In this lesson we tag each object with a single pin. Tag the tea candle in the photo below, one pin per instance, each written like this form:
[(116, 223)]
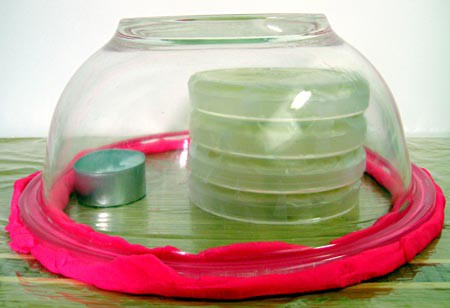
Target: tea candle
[(110, 177)]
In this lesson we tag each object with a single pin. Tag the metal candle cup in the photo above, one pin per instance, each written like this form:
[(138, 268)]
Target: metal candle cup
[(110, 177)]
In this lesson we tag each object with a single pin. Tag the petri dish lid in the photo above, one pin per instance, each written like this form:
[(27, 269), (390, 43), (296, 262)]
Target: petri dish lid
[(279, 93)]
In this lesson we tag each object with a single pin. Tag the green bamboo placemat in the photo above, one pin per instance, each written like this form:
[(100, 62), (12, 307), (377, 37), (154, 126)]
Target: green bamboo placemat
[(23, 282)]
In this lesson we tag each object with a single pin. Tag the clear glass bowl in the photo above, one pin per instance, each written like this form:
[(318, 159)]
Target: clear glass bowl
[(264, 119)]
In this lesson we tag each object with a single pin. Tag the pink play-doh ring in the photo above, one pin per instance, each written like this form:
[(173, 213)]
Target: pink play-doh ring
[(229, 272)]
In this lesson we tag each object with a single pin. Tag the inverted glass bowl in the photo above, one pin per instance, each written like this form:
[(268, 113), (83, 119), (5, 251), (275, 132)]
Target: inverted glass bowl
[(273, 114)]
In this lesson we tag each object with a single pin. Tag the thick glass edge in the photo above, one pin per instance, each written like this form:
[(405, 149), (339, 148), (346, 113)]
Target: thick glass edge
[(154, 32)]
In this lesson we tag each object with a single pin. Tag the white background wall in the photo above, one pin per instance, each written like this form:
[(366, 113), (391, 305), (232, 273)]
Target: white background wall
[(43, 42)]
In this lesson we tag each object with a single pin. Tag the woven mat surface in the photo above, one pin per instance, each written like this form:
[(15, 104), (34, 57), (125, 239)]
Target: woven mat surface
[(168, 220)]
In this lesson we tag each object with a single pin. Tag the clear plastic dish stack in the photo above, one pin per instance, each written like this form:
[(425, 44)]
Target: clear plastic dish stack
[(277, 145)]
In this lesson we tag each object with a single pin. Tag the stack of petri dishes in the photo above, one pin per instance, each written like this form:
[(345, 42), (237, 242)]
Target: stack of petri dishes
[(277, 145)]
